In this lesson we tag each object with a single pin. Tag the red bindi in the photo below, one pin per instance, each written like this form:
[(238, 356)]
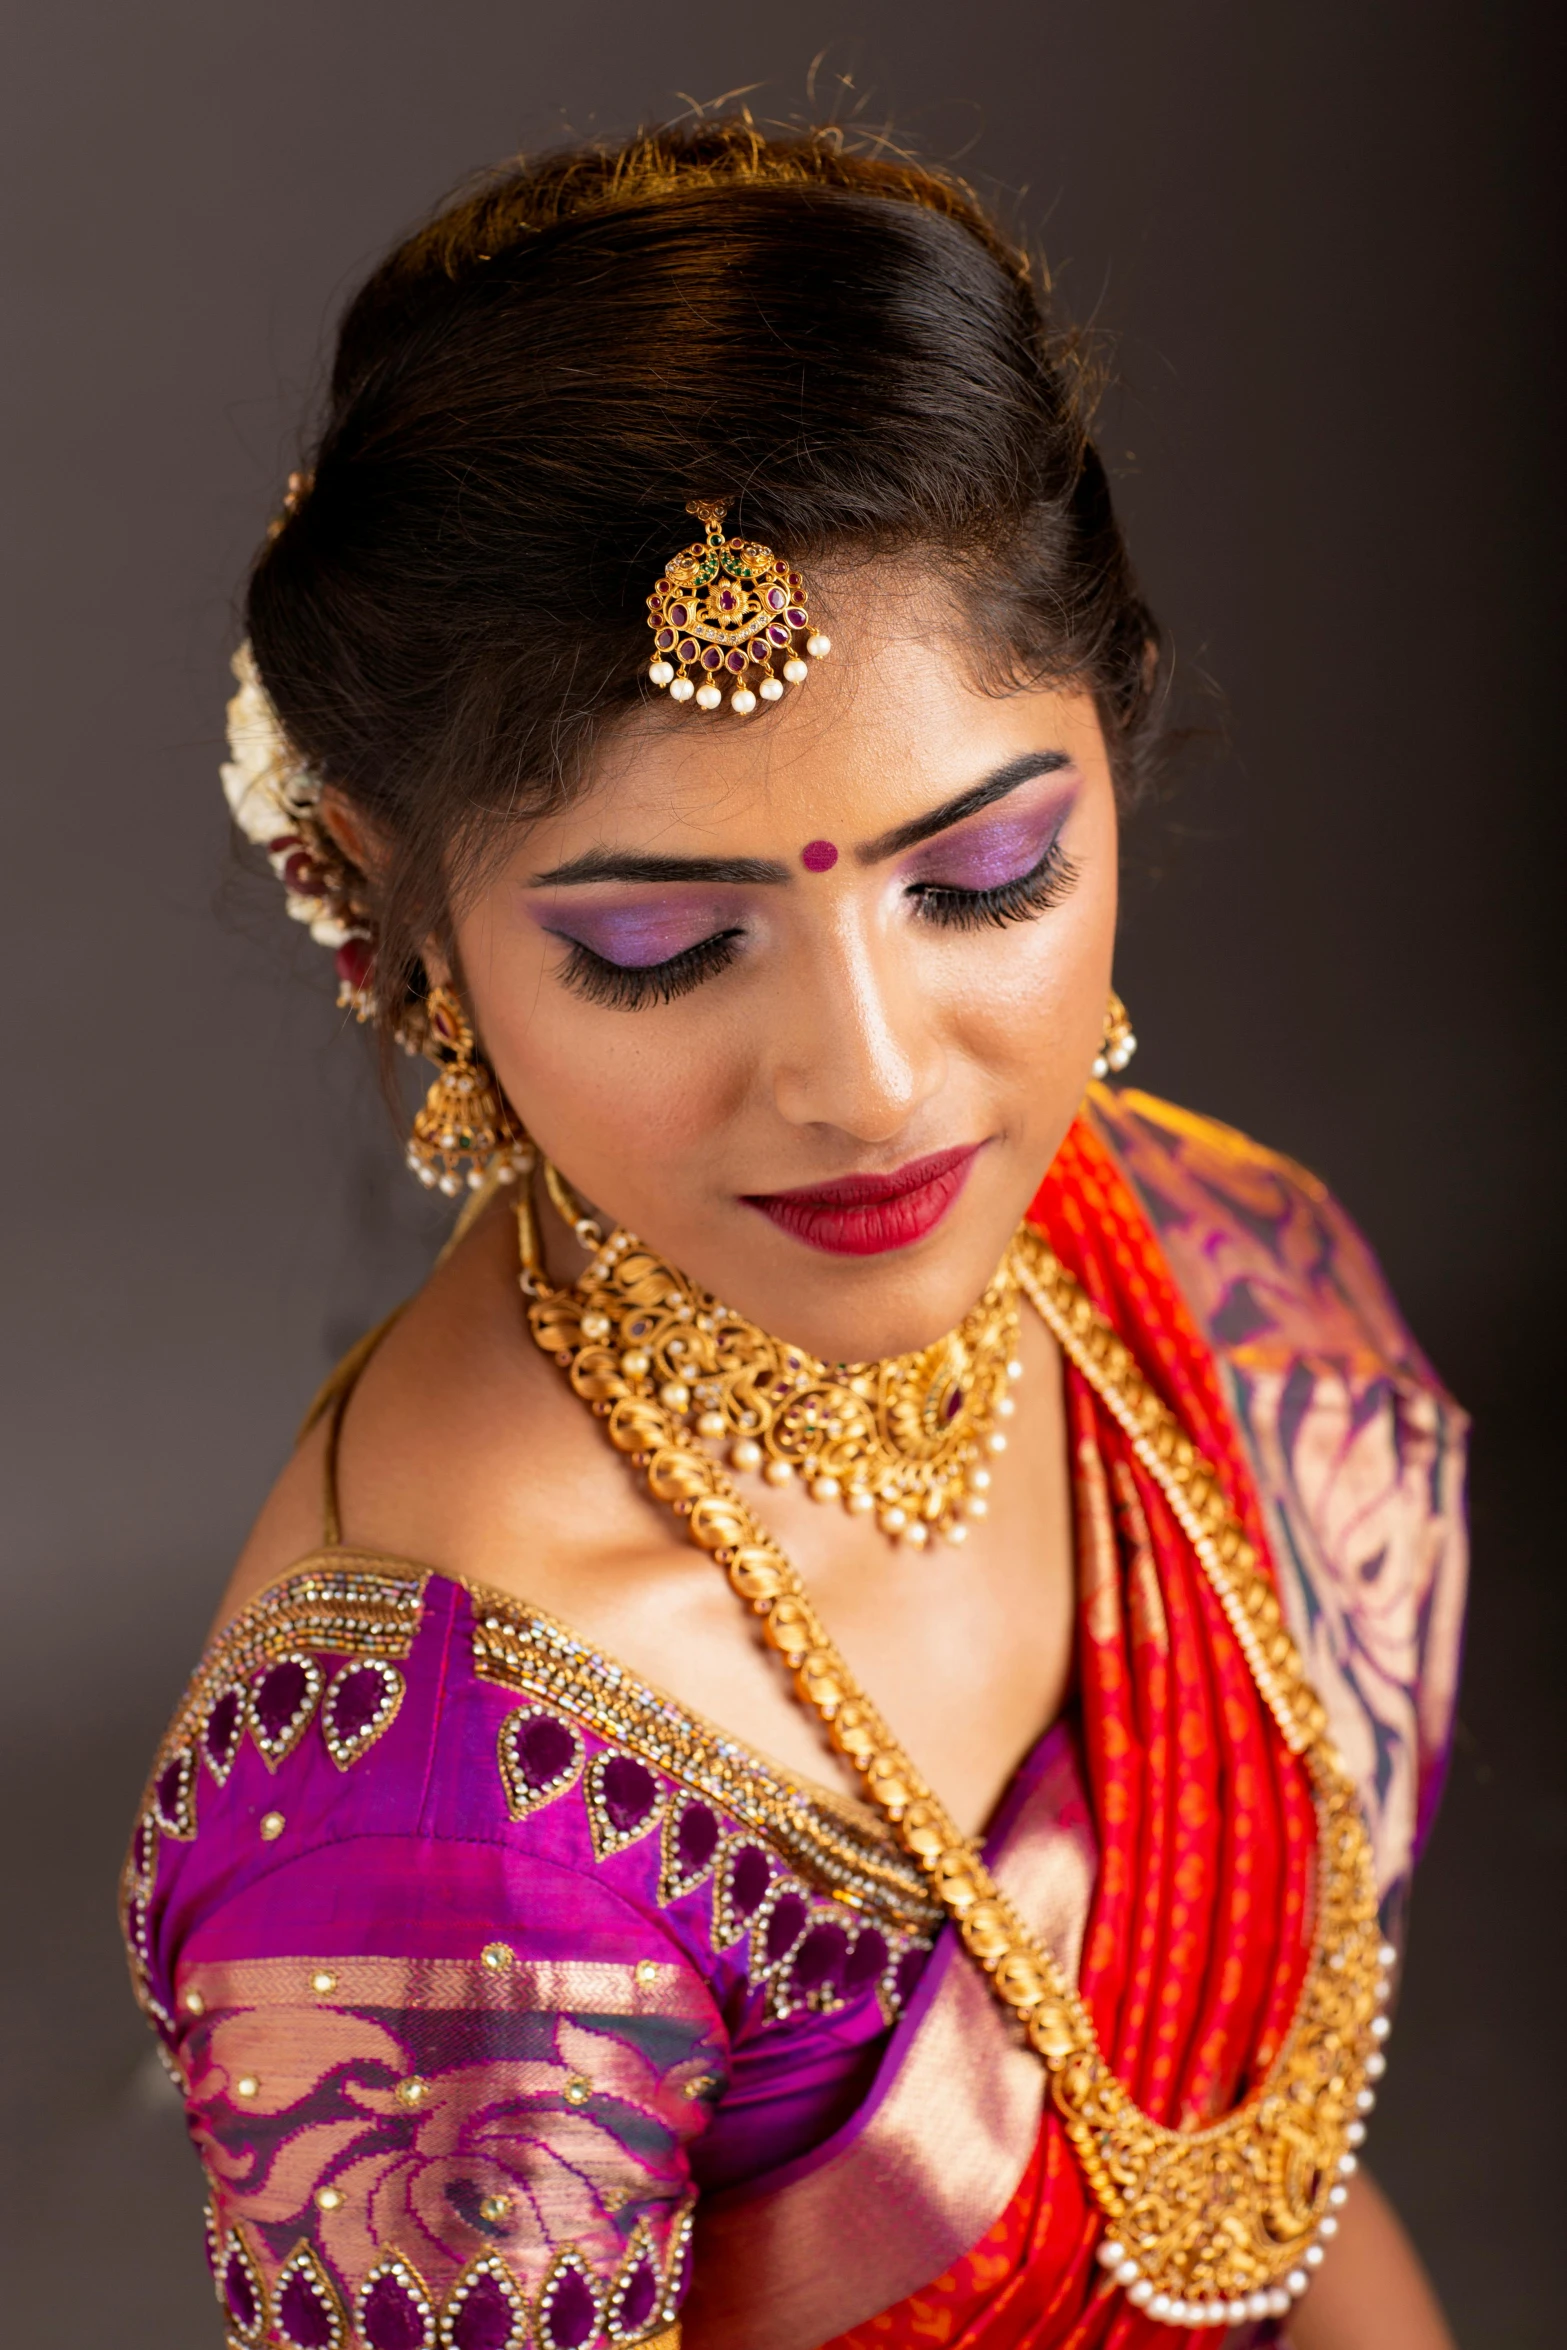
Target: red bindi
[(818, 856)]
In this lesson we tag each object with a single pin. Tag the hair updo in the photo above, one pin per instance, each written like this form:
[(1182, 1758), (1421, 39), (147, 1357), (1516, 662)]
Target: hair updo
[(528, 391)]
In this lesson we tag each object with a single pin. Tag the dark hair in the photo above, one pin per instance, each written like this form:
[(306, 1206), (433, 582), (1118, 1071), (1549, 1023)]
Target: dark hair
[(527, 393)]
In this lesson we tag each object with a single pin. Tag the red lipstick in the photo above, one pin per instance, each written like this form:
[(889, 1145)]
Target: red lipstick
[(865, 1215)]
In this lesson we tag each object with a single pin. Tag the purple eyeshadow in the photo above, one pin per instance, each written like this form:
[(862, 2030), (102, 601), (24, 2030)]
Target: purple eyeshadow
[(991, 852), (636, 936)]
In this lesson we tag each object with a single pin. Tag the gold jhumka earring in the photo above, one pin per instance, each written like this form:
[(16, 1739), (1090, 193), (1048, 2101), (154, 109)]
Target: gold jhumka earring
[(724, 606), (1119, 1043), (465, 1130)]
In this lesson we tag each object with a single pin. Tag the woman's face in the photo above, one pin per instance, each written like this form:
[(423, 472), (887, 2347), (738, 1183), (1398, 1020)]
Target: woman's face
[(808, 1000)]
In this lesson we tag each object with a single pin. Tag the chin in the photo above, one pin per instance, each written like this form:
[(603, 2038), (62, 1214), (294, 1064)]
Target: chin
[(863, 1308)]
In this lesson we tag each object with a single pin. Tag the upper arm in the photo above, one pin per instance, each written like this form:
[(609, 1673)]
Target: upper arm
[(398, 2105)]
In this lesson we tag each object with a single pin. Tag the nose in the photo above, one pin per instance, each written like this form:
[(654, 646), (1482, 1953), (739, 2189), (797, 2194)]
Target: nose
[(857, 1046)]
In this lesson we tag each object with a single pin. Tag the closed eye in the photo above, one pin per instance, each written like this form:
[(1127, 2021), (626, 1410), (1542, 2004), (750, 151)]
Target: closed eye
[(627, 986), (1030, 894)]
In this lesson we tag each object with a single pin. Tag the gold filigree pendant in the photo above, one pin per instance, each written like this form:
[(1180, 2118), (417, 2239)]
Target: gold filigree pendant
[(729, 609), (1220, 2226), (910, 1439)]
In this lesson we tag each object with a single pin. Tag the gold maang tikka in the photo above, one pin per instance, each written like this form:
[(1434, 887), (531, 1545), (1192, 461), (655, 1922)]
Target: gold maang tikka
[(729, 609), (464, 1129)]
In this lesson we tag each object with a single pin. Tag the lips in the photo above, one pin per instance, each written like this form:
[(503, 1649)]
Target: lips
[(866, 1215)]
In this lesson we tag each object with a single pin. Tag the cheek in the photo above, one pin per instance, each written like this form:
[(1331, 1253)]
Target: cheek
[(599, 1089), (1027, 1005)]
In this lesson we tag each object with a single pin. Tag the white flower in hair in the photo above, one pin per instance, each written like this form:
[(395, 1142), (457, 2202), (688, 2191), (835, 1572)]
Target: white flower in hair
[(266, 786), (273, 797)]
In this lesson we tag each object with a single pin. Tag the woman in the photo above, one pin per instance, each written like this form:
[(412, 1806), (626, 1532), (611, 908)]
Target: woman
[(622, 1871)]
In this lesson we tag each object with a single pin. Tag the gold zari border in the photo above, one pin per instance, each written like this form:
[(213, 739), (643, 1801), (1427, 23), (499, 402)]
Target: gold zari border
[(345, 1603), (849, 1857)]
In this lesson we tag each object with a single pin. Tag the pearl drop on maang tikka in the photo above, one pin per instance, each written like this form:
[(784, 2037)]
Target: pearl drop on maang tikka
[(725, 606)]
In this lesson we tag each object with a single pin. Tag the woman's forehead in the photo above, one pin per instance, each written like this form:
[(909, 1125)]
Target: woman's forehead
[(852, 755)]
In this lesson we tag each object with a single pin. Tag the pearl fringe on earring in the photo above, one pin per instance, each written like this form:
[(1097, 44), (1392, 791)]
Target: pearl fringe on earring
[(1119, 1042)]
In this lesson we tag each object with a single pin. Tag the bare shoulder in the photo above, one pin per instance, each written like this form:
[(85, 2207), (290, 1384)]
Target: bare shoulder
[(290, 1526), (462, 1450)]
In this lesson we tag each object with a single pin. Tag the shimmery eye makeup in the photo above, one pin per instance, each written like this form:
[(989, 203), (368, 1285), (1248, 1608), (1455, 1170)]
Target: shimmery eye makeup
[(1035, 891), (985, 875), (638, 936), (627, 986), (994, 867), (631, 953), (988, 853)]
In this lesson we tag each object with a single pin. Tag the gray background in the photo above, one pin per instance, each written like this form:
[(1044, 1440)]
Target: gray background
[(1325, 240)]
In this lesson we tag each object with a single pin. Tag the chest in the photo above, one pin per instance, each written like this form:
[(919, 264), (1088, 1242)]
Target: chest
[(966, 1651)]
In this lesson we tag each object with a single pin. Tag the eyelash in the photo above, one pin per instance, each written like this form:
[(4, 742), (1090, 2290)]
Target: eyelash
[(626, 987), (1021, 900)]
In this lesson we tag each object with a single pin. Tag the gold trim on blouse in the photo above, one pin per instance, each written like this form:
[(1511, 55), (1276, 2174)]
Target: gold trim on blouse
[(361, 1603)]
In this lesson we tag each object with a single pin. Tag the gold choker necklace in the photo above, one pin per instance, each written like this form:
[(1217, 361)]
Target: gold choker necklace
[(1214, 2227), (910, 1438)]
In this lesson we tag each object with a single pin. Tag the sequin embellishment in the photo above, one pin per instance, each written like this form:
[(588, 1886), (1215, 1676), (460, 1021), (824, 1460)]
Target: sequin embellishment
[(240, 2291), (780, 1925), (692, 1835), (394, 2307), (484, 2310), (624, 1801), (679, 2264), (308, 2315), (569, 2305), (174, 1795), (540, 1757), (359, 1706), (222, 1730), (739, 1889), (282, 1700), (633, 2300)]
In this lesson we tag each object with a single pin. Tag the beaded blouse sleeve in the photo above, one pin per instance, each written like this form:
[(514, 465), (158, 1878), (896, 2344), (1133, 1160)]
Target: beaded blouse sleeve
[(475, 1960), (432, 2141)]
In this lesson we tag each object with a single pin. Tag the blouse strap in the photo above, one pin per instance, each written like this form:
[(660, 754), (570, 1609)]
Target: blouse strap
[(330, 1400), (329, 1403)]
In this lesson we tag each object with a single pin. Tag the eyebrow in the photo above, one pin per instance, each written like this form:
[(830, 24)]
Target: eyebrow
[(995, 787), (741, 872), (611, 865)]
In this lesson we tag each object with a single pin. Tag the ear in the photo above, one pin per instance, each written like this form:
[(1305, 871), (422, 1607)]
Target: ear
[(365, 846), (351, 831)]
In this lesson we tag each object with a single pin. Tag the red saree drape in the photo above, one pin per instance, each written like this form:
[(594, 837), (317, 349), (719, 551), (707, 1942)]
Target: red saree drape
[(1197, 1939)]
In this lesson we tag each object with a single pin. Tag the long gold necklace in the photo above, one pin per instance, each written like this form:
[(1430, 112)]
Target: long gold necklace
[(1207, 2227)]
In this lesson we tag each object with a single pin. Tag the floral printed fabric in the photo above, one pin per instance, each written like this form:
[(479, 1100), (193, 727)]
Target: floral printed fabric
[(1357, 1450), (447, 2109)]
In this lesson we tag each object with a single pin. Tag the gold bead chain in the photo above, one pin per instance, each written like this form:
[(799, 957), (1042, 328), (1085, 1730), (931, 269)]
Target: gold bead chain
[(1209, 2226)]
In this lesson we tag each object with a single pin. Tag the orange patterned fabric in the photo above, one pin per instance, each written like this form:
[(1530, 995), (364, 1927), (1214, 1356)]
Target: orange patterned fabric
[(1197, 1940)]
